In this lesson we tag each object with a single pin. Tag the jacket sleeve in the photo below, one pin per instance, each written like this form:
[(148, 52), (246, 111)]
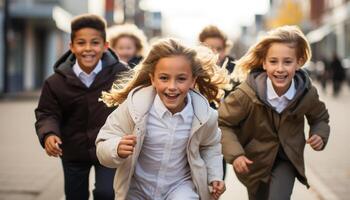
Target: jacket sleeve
[(231, 113), (318, 118), (210, 149), (118, 124), (48, 114)]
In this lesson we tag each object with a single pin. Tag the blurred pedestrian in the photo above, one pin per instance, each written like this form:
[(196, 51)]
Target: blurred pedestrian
[(163, 138), (262, 120), (69, 115), (217, 40), (338, 74), (129, 42), (323, 72)]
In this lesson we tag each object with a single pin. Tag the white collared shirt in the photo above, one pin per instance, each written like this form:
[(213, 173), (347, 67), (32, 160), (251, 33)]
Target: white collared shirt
[(162, 164), (279, 102), (87, 79)]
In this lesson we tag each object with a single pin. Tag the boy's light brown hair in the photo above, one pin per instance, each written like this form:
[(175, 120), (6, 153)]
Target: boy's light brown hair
[(212, 31)]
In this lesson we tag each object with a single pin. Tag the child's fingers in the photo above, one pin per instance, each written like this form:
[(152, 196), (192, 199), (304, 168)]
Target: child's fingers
[(317, 145), (315, 142), (247, 161), (129, 140), (215, 196), (245, 168), (240, 164), (313, 138), (129, 137), (126, 147), (214, 187), (124, 153)]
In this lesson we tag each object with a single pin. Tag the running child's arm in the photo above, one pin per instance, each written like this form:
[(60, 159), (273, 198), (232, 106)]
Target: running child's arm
[(231, 113), (48, 116), (117, 125), (318, 119)]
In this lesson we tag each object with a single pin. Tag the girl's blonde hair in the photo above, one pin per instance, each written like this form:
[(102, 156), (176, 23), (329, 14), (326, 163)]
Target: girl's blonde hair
[(114, 33), (256, 54), (210, 78)]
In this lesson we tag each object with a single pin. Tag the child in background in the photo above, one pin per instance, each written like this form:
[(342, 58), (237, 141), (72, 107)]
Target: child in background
[(217, 40), (69, 115), (262, 120), (128, 42), (163, 138)]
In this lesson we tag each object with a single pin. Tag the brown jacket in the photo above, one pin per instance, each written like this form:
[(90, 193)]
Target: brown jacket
[(251, 127)]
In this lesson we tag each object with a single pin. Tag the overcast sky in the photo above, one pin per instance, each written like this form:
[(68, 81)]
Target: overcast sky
[(186, 18)]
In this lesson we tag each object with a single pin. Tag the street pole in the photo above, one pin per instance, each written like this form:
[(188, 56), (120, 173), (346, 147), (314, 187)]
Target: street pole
[(5, 42)]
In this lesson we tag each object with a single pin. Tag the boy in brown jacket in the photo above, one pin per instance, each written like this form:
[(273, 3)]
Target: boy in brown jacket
[(69, 115), (262, 120)]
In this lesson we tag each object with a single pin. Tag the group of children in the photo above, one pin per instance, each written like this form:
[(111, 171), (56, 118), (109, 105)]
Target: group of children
[(155, 134)]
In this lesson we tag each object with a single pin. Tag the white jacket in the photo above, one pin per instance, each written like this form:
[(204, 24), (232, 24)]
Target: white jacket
[(203, 147)]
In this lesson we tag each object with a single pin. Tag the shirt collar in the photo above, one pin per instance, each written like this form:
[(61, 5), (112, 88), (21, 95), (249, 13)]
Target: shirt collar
[(271, 94), (162, 110), (77, 69)]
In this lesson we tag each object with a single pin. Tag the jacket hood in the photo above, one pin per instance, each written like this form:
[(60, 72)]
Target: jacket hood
[(141, 99), (65, 63), (257, 81)]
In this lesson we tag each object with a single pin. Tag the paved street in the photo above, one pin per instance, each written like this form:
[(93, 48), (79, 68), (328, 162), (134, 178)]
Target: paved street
[(26, 173)]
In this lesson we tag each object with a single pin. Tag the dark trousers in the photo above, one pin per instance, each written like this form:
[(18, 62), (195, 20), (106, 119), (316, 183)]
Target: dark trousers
[(76, 181), (281, 184)]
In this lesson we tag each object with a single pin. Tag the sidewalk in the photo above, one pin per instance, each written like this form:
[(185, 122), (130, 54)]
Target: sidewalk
[(26, 172)]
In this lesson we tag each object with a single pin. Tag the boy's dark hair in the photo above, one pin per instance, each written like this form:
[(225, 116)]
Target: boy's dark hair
[(88, 21)]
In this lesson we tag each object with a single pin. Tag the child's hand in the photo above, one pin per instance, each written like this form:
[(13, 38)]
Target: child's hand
[(240, 164), (52, 148), (218, 189), (126, 146), (315, 142)]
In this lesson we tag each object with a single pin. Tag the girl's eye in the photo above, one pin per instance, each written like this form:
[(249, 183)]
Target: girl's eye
[(182, 78), (273, 61), (163, 78)]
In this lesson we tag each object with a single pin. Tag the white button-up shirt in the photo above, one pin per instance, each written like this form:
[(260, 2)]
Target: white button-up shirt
[(162, 164), (87, 79), (279, 102)]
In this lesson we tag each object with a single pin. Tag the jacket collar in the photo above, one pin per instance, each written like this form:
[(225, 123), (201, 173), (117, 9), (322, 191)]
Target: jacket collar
[(255, 85), (140, 100), (64, 67)]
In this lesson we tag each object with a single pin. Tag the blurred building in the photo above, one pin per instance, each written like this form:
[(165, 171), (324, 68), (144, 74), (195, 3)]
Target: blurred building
[(330, 21)]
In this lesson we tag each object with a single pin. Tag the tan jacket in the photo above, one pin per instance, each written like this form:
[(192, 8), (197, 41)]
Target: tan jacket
[(203, 148), (251, 127)]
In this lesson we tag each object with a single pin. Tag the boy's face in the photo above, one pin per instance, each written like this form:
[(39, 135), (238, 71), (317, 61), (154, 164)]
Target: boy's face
[(88, 47), (172, 80), (280, 64), (125, 48)]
